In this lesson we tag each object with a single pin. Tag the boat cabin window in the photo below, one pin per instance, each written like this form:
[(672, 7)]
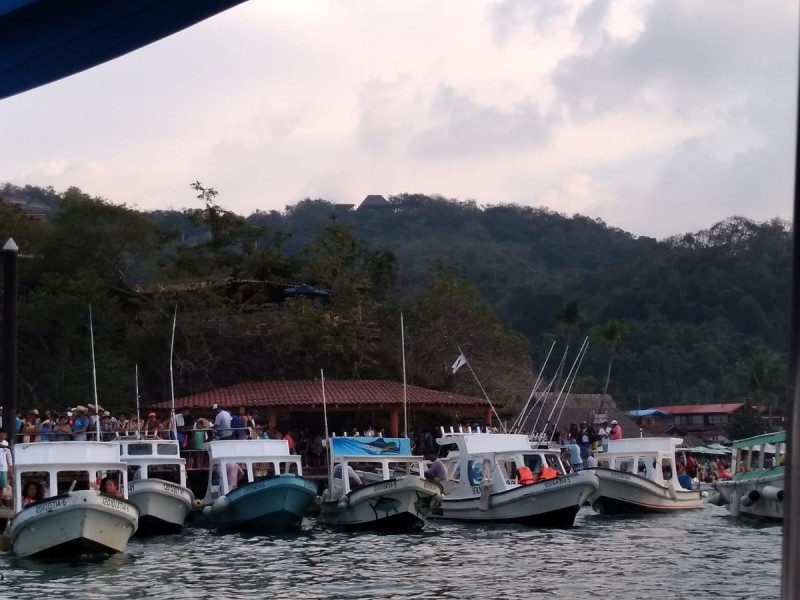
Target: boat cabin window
[(288, 467), (167, 450), (554, 463), (533, 462), (67, 478), (140, 449), (604, 463), (40, 479), (263, 469), (171, 473), (666, 469), (625, 464), (454, 471), (479, 470), (641, 468), (508, 468)]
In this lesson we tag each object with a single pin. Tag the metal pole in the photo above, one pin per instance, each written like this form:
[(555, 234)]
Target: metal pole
[(10, 293), (790, 575), (405, 386)]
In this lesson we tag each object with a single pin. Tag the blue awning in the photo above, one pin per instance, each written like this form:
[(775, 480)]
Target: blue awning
[(42, 41), (646, 412)]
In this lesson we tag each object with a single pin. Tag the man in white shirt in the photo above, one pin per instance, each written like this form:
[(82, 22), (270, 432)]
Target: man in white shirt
[(222, 423), (591, 462), (604, 432)]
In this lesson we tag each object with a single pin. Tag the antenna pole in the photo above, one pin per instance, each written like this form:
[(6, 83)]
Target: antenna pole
[(138, 422), (405, 386), (94, 377), (171, 375)]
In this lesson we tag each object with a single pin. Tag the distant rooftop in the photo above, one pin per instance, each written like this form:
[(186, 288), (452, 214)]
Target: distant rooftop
[(374, 201)]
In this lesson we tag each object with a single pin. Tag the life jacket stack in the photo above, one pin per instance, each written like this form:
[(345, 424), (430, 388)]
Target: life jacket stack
[(524, 476)]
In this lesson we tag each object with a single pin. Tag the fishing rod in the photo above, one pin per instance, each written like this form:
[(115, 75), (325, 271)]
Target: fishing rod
[(518, 421), (485, 395), (94, 377), (566, 380), (171, 374)]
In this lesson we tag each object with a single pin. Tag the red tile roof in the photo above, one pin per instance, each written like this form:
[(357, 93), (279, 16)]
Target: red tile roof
[(308, 394), (701, 409)]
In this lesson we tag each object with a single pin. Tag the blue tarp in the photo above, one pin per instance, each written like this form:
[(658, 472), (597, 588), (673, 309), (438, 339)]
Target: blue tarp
[(646, 412), (42, 41), (370, 446)]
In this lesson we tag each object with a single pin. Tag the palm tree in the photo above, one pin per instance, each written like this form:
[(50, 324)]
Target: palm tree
[(612, 333), (765, 381), (570, 315)]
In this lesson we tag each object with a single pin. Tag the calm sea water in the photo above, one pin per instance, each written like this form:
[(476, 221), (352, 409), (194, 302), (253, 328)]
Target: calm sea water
[(692, 555)]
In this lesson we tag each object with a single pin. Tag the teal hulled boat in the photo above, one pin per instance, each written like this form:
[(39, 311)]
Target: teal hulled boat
[(756, 487), (254, 486)]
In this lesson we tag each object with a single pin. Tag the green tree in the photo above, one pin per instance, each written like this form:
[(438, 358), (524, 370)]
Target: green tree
[(611, 333)]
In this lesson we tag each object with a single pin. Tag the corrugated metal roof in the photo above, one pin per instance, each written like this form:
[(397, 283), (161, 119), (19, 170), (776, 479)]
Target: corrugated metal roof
[(308, 393), (704, 409)]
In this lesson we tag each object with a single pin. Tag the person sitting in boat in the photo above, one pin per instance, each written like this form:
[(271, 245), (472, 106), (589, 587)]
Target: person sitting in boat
[(109, 487), (234, 472), (437, 471), (31, 492), (338, 484)]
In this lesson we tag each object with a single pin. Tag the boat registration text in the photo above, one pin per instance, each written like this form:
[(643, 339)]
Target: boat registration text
[(557, 481), (386, 485), (47, 507), (119, 505)]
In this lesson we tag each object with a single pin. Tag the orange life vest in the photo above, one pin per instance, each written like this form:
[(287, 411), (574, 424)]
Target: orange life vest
[(524, 476), (548, 473)]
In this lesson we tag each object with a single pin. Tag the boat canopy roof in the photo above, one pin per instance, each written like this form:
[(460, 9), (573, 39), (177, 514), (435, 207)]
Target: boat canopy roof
[(483, 443), (365, 447), (650, 444), (247, 449), (69, 454), (776, 437)]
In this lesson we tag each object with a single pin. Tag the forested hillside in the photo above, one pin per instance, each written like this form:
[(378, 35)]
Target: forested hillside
[(700, 317)]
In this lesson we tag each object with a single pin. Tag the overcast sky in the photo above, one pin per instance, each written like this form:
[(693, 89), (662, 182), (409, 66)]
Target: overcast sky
[(658, 117)]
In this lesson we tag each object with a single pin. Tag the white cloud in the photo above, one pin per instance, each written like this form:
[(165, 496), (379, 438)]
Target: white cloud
[(656, 116)]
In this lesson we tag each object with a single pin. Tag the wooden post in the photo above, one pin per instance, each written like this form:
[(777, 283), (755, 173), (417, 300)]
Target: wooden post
[(394, 423), (272, 417), (488, 417)]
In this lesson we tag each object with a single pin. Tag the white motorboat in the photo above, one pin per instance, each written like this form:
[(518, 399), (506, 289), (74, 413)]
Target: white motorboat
[(157, 484), (387, 492), (756, 488), (639, 475), (255, 486), (70, 516), (499, 477)]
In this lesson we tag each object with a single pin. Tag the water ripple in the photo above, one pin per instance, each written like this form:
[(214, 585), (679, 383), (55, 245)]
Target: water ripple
[(685, 556)]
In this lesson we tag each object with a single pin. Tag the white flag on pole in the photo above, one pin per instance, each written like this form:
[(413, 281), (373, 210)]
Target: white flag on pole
[(460, 362)]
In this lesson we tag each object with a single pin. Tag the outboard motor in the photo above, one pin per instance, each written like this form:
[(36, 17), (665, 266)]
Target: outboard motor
[(751, 498), (770, 492)]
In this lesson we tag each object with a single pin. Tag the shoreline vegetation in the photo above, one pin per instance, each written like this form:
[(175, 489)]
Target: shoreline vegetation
[(696, 318)]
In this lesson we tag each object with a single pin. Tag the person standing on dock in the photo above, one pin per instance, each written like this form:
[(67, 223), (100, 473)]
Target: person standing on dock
[(222, 423), (616, 431), (604, 432)]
